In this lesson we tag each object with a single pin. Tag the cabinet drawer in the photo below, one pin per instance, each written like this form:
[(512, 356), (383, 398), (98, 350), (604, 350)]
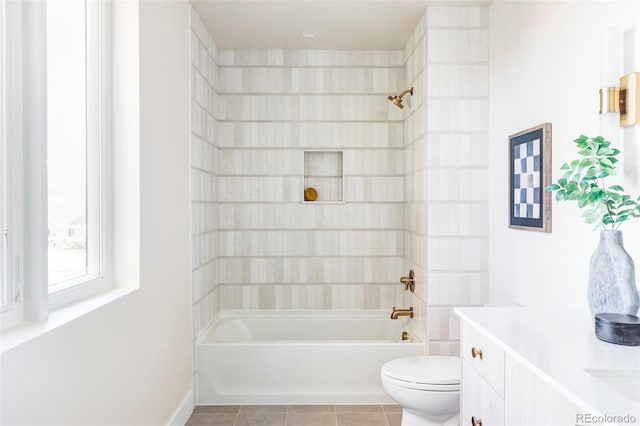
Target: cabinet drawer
[(481, 404), (484, 356)]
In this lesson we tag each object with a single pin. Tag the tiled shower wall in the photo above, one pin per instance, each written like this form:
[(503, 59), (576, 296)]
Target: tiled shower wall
[(414, 179), (204, 154), (415, 171), (457, 167), (277, 252)]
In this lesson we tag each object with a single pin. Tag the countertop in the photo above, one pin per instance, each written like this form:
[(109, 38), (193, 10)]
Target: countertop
[(559, 345)]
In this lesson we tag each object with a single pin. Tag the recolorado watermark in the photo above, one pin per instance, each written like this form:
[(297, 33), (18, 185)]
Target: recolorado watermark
[(583, 419)]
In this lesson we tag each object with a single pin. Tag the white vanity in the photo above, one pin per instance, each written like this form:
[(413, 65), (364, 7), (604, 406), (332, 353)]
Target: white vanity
[(538, 367)]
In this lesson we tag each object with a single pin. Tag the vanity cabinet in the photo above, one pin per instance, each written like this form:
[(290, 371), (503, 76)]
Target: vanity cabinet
[(543, 367), (499, 390)]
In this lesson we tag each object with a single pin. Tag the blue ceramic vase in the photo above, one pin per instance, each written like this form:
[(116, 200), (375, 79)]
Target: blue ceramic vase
[(612, 280)]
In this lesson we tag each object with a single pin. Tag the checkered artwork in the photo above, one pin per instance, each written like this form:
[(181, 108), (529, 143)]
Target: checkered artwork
[(527, 191), (529, 175)]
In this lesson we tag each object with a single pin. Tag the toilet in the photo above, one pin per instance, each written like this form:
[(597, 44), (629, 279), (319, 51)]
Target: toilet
[(426, 387)]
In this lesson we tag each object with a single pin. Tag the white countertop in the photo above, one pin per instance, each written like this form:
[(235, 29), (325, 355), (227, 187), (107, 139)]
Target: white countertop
[(559, 345)]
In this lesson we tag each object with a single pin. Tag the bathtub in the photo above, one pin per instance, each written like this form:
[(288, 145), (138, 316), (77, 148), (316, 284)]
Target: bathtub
[(299, 357)]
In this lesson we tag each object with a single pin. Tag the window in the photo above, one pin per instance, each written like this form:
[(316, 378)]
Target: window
[(74, 220), (11, 160), (62, 85)]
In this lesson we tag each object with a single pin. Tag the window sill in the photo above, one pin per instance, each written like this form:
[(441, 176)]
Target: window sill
[(27, 331)]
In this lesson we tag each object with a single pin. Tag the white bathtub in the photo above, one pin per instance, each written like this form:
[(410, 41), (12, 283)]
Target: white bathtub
[(300, 357)]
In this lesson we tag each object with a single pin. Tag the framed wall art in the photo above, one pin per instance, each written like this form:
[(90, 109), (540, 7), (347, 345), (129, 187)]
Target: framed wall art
[(529, 175)]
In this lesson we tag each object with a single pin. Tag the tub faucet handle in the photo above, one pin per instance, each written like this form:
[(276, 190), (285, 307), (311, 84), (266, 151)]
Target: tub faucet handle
[(409, 282)]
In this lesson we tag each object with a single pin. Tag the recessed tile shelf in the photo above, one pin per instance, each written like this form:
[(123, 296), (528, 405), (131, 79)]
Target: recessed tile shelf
[(323, 171), (323, 202)]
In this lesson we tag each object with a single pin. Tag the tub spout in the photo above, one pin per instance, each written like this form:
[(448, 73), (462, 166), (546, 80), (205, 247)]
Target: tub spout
[(402, 313)]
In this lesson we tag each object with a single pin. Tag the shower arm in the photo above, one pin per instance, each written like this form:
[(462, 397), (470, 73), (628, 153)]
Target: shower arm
[(405, 92)]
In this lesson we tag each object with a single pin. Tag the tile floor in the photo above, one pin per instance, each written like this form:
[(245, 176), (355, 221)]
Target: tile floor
[(296, 415)]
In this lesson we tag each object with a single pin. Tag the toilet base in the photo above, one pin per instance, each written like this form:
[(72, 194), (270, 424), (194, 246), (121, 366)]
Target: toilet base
[(409, 418)]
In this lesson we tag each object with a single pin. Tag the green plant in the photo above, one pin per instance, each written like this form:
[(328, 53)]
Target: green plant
[(584, 181)]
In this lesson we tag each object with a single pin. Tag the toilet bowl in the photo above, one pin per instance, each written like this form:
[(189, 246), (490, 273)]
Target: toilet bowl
[(426, 387)]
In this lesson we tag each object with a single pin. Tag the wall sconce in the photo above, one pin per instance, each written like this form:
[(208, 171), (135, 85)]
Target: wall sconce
[(624, 99)]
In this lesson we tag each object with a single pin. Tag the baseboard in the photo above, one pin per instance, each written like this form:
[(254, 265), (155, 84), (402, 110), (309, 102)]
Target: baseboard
[(183, 412)]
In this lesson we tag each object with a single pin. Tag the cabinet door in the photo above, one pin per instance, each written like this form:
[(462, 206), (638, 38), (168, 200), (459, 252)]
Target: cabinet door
[(479, 400), (530, 401), (483, 355)]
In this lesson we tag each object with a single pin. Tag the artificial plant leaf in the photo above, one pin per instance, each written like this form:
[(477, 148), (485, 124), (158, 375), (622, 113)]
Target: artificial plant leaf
[(583, 200)]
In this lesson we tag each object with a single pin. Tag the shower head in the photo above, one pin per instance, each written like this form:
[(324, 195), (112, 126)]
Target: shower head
[(397, 100)]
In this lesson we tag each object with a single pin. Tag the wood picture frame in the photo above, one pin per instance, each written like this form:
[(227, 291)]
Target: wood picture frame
[(529, 175)]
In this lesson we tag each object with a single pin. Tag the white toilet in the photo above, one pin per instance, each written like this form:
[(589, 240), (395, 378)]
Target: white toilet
[(426, 387)]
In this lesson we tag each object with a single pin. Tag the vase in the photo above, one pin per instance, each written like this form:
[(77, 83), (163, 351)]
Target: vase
[(612, 281)]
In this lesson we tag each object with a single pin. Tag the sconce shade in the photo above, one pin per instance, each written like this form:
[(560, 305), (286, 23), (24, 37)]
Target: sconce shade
[(609, 100)]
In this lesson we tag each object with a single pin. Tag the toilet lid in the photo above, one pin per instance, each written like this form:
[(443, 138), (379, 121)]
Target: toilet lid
[(433, 370)]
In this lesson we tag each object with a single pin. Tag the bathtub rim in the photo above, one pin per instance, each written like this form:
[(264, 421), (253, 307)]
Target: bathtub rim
[(307, 313)]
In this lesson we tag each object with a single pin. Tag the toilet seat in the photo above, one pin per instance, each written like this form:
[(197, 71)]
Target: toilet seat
[(427, 373)]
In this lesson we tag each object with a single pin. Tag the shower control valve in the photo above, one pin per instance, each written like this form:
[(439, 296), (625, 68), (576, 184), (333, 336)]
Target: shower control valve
[(410, 281)]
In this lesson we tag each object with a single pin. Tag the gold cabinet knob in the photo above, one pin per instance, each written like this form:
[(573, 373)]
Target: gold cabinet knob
[(476, 421), (475, 352)]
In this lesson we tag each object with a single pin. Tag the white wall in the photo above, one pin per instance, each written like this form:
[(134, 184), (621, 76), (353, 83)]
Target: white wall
[(128, 362), (544, 62)]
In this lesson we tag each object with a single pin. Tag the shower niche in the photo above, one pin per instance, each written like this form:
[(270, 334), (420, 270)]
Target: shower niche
[(323, 177)]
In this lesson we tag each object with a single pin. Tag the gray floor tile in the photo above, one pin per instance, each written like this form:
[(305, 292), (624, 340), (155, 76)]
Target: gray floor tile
[(296, 415), (362, 419), (312, 409), (359, 408), (311, 419), (392, 408), (394, 419), (216, 409), (212, 419), (261, 419), (263, 409), (393, 413)]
